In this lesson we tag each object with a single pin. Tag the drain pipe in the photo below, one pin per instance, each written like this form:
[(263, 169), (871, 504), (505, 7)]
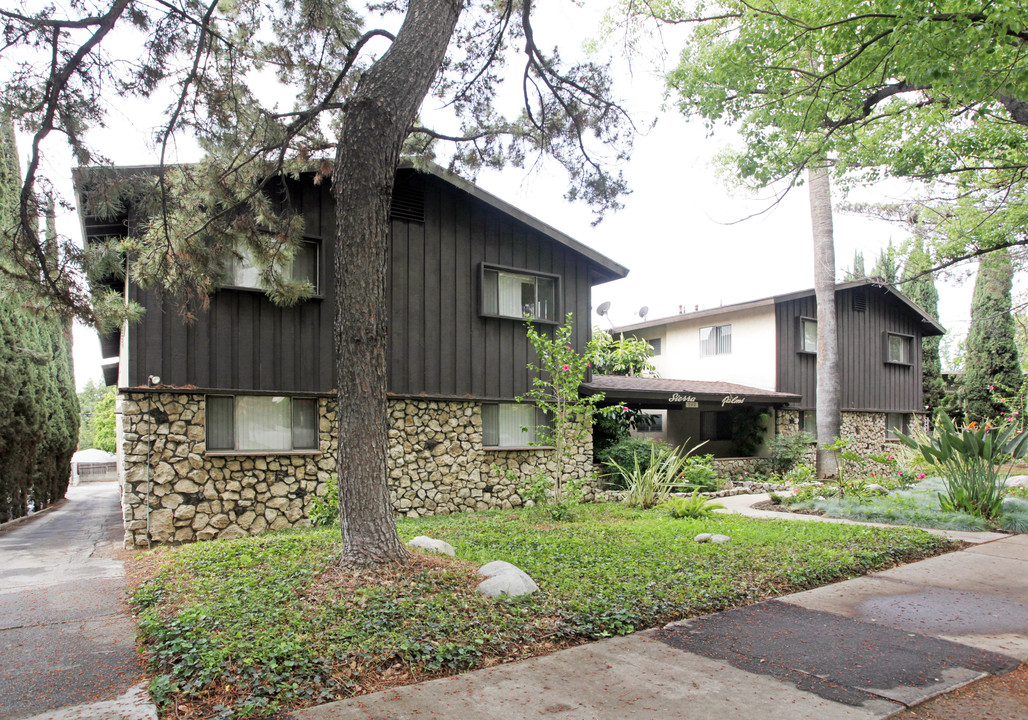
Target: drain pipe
[(152, 380)]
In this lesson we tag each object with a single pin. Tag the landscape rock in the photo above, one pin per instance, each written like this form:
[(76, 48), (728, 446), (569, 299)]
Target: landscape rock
[(720, 539), (423, 542), (876, 489), (703, 537), (503, 578), (1015, 504), (1017, 481)]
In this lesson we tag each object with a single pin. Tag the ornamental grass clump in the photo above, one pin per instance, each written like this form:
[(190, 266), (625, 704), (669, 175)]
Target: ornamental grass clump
[(646, 488), (969, 461)]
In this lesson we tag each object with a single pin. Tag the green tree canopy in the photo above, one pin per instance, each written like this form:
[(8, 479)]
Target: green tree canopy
[(933, 91), (992, 369)]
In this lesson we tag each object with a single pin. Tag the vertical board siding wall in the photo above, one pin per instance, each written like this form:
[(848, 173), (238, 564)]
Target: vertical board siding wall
[(244, 341), (438, 344), (868, 382)]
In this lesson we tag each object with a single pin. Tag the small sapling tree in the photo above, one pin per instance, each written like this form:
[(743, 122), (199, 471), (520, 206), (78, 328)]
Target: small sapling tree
[(558, 373)]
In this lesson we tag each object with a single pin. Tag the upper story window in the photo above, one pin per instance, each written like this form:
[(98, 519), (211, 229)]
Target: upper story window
[(899, 349), (241, 271), (261, 423), (715, 340), (519, 294), (511, 424), (654, 346), (808, 335)]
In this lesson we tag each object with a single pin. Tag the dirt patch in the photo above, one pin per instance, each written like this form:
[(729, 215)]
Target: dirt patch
[(1003, 697), (768, 505)]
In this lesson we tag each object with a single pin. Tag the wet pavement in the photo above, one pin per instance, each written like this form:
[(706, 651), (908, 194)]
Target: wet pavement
[(862, 648), (67, 642)]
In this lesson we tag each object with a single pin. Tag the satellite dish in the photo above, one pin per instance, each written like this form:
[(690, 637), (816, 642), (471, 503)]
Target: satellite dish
[(644, 311), (603, 308)]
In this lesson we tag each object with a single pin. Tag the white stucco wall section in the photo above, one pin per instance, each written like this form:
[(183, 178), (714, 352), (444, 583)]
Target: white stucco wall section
[(751, 361)]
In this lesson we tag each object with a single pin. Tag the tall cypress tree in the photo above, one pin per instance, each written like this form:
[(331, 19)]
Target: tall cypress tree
[(922, 291), (991, 359), (887, 265), (38, 405), (857, 272)]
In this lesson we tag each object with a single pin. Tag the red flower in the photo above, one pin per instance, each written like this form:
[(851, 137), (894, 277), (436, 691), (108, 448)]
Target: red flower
[(567, 367)]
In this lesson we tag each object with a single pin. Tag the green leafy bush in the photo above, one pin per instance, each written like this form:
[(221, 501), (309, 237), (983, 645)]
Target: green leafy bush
[(698, 474), (625, 455), (325, 508), (696, 506), (785, 451), (969, 460), (800, 474)]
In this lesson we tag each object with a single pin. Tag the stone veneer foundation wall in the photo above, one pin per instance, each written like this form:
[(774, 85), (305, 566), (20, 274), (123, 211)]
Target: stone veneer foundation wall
[(436, 465), (864, 430)]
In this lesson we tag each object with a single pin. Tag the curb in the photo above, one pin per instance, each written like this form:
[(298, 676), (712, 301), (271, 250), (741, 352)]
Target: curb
[(4, 527)]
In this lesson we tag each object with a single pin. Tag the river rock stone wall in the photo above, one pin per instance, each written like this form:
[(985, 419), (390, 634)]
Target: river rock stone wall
[(864, 430), (436, 464)]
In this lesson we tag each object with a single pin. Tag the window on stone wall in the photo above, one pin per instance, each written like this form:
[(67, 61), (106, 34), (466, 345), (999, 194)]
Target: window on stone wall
[(895, 422), (808, 422), (261, 423), (511, 424)]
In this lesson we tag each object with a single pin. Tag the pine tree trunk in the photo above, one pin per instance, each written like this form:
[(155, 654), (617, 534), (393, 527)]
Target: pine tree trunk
[(829, 419), (378, 116)]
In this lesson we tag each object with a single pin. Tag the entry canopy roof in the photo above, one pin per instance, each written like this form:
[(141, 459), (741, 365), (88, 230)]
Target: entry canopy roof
[(668, 393)]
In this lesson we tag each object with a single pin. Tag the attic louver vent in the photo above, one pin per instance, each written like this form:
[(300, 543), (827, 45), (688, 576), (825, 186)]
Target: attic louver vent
[(860, 300), (408, 201)]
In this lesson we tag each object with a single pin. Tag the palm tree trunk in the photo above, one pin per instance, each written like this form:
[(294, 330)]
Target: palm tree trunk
[(829, 418)]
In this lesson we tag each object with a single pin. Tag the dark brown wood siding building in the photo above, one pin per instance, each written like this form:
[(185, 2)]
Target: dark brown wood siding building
[(443, 232), (867, 315)]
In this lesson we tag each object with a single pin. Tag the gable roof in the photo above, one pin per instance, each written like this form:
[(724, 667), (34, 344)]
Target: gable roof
[(932, 325), (604, 269)]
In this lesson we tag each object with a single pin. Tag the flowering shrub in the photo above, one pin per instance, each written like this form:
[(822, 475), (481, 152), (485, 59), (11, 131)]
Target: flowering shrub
[(969, 460)]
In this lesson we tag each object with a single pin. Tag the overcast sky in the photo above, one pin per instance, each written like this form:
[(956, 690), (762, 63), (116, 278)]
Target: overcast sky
[(682, 233)]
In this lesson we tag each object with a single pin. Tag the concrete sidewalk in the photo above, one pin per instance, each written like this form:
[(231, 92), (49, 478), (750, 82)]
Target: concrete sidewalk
[(67, 643), (862, 648)]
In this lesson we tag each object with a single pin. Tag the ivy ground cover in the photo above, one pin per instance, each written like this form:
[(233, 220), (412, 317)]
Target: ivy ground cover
[(247, 627)]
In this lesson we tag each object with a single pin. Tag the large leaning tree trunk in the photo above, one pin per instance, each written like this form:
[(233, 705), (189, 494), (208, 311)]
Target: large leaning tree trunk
[(829, 418), (378, 116)]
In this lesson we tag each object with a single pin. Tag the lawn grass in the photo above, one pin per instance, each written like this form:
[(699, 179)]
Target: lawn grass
[(246, 627)]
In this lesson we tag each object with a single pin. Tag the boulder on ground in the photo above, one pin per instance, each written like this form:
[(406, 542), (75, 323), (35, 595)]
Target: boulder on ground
[(503, 578), (703, 537), (423, 542), (1017, 481), (720, 539), (876, 489)]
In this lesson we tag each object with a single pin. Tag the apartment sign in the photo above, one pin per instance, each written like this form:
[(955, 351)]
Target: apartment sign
[(732, 400), (688, 401)]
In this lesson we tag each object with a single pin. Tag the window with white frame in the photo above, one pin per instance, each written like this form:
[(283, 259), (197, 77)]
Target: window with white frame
[(715, 340), (241, 270), (516, 294), (808, 335), (895, 422), (898, 349), (261, 423), (511, 424)]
